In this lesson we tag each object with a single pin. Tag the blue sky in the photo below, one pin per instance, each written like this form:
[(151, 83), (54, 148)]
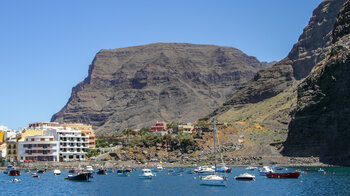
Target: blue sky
[(47, 46)]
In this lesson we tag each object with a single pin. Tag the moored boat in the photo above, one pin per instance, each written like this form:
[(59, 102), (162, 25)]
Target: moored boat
[(57, 172), (41, 171), (89, 169), (223, 168), (146, 174), (35, 176), (212, 180), (283, 175), (73, 170), (251, 168), (9, 168), (265, 170), (101, 172), (245, 176), (14, 172), (83, 176)]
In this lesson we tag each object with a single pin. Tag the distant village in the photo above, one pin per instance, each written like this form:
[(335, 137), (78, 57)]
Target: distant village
[(52, 141)]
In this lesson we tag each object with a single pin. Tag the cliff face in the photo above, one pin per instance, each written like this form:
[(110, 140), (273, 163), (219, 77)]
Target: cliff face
[(135, 87), (320, 126), (310, 49)]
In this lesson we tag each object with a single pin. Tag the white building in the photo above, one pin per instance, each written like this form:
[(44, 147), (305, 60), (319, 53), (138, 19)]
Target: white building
[(72, 144), (38, 147)]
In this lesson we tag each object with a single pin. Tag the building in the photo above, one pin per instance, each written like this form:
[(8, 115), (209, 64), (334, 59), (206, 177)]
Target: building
[(185, 128), (30, 132), (12, 151), (44, 125), (3, 150), (72, 144), (86, 130), (39, 148), (159, 129)]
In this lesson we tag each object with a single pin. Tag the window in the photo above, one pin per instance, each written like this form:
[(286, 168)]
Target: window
[(32, 139), (51, 139), (42, 139)]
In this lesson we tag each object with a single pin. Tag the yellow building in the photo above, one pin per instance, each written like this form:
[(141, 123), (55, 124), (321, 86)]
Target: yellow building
[(187, 128), (86, 130), (30, 132), (12, 151), (2, 136)]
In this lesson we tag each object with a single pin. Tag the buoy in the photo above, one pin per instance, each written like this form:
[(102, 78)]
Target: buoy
[(305, 173), (324, 173)]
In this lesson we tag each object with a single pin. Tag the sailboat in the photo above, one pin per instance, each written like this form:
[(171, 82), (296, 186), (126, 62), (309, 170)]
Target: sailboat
[(213, 179)]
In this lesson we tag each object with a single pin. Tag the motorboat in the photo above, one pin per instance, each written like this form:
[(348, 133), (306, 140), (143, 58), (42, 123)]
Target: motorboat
[(57, 172), (213, 180), (83, 176), (283, 175), (35, 176), (41, 171), (8, 169), (101, 172), (245, 176), (205, 170), (265, 170), (251, 168), (89, 169), (14, 172), (160, 167), (146, 174), (73, 170), (321, 170), (15, 180), (122, 172), (223, 168)]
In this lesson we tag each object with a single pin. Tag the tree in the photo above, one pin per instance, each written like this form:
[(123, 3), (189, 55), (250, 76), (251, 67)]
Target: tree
[(128, 132)]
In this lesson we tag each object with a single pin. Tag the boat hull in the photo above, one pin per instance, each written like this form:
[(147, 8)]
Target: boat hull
[(283, 175), (14, 173), (79, 177), (244, 178), (145, 177), (213, 182)]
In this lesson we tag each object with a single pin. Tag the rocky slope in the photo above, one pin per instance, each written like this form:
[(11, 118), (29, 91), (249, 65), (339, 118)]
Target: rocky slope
[(136, 86), (320, 126), (284, 76)]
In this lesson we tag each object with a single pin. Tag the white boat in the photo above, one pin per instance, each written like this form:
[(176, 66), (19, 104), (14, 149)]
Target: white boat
[(266, 169), (251, 168), (245, 176), (89, 169), (205, 170), (57, 172), (213, 179), (160, 167), (321, 170), (146, 174)]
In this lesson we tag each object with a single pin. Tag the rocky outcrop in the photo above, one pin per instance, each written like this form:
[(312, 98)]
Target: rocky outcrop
[(136, 86), (310, 49), (320, 126)]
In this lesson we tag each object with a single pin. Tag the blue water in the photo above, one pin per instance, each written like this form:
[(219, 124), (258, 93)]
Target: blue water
[(336, 181)]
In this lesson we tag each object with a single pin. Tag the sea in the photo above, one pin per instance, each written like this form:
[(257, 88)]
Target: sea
[(334, 181)]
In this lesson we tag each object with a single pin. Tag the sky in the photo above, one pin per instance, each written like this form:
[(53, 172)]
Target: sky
[(46, 46)]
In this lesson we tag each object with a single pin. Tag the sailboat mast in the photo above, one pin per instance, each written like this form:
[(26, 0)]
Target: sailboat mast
[(214, 143)]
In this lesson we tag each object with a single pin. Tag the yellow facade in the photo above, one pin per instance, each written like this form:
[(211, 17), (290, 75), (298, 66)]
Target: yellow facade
[(2, 136), (12, 151), (30, 132), (186, 128)]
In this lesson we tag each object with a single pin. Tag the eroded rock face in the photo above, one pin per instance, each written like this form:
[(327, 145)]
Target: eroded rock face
[(321, 126), (311, 48), (135, 87)]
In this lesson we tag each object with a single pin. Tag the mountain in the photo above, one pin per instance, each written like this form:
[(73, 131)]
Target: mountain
[(274, 89), (136, 86), (320, 126)]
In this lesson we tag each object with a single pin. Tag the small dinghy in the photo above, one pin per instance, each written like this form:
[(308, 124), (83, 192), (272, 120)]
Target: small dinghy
[(245, 176), (56, 172)]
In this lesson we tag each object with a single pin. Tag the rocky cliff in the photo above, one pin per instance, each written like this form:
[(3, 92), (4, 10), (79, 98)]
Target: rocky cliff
[(136, 86), (284, 76), (320, 126)]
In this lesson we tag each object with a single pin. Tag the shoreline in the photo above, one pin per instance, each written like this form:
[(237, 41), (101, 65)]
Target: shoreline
[(133, 164)]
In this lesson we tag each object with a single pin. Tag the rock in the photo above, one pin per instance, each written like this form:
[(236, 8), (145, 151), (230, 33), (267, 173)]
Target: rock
[(320, 125), (144, 152), (136, 86)]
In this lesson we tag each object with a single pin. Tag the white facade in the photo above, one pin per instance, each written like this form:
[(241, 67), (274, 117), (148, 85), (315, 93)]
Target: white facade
[(39, 147), (72, 145)]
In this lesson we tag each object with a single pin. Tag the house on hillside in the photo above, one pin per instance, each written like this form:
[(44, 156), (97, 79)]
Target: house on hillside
[(159, 129), (185, 128)]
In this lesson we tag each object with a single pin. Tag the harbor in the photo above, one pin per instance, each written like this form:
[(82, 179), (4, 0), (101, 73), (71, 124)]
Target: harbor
[(310, 182)]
